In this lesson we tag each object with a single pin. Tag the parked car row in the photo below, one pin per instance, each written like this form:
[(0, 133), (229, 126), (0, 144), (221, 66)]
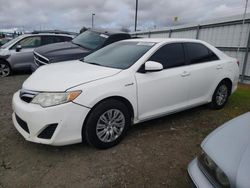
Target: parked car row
[(17, 54), (106, 82)]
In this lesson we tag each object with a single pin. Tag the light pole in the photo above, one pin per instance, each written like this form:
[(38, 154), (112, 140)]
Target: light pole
[(93, 14), (136, 10)]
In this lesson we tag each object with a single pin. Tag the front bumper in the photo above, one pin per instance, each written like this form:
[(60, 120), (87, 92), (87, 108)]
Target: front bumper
[(197, 178), (69, 118), (33, 67)]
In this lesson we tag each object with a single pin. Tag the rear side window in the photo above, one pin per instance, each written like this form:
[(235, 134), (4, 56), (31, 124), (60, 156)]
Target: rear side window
[(54, 39), (62, 39), (170, 55), (47, 39), (198, 53)]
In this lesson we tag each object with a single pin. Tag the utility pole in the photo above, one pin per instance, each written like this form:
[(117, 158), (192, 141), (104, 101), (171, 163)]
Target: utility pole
[(136, 10), (93, 14)]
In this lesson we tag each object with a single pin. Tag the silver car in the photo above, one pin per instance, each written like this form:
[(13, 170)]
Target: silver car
[(225, 157), (17, 54)]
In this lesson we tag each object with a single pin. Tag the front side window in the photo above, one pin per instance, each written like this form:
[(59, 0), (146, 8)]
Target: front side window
[(30, 42), (11, 42), (90, 40), (120, 55), (199, 53), (170, 55)]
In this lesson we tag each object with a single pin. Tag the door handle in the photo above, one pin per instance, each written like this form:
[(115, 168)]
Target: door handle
[(185, 73), (219, 67)]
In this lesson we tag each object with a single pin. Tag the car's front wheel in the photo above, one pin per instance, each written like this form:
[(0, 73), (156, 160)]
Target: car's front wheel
[(220, 95), (107, 124), (5, 69)]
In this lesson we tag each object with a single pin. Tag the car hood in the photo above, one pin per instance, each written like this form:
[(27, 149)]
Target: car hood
[(56, 51), (65, 75), (229, 147)]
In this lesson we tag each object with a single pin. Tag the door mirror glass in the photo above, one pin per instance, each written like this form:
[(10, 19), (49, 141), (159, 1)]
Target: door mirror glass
[(151, 66), (18, 47)]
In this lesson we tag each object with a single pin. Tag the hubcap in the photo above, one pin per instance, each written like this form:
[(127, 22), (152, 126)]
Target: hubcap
[(110, 125), (4, 70), (221, 95)]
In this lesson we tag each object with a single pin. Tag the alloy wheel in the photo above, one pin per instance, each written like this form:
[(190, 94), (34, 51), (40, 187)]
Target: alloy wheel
[(4, 70), (110, 125), (221, 95)]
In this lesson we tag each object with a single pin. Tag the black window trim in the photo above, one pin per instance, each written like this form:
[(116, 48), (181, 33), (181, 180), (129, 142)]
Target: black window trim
[(142, 67)]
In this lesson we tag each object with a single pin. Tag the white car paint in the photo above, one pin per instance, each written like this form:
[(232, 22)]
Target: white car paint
[(151, 94), (228, 146)]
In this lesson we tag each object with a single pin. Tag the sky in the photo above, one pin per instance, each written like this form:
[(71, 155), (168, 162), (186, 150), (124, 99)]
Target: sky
[(71, 15)]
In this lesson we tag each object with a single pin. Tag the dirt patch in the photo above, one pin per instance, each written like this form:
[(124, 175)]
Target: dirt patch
[(153, 154)]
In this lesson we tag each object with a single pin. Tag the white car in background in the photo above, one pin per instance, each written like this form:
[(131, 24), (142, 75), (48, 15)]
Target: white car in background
[(127, 82), (225, 157)]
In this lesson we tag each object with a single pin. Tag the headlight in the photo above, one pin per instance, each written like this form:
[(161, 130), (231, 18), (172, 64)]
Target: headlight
[(213, 170), (52, 99)]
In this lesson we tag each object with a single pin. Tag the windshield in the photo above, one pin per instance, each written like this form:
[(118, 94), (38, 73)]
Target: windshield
[(8, 44), (90, 40), (120, 55)]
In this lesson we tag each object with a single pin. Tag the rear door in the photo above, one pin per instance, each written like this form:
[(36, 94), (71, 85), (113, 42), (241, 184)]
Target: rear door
[(204, 68), (164, 91), (23, 59)]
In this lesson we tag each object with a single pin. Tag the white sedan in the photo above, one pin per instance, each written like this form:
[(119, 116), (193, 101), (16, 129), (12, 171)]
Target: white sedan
[(98, 98)]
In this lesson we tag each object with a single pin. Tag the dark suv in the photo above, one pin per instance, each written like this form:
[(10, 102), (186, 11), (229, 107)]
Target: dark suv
[(84, 44)]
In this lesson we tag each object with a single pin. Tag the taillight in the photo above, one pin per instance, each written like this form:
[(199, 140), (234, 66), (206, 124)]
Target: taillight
[(238, 63)]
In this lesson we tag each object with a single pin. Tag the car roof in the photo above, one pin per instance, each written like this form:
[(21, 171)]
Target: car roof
[(47, 34), (108, 31), (163, 40)]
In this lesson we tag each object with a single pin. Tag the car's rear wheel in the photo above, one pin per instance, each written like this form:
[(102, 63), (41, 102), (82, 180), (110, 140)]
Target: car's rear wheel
[(5, 69), (107, 124), (220, 96)]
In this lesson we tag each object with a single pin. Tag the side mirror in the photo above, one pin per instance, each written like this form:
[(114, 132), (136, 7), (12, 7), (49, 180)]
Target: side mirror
[(18, 48), (152, 66)]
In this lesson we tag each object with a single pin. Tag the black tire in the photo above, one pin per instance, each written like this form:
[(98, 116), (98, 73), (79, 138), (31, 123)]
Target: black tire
[(220, 96), (102, 109), (3, 67)]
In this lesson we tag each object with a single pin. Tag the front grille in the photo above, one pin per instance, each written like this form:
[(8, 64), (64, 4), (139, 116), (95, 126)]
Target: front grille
[(22, 124), (27, 95), (48, 132), (40, 60)]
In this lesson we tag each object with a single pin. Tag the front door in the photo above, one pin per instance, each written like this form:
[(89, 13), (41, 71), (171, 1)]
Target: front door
[(165, 91), (23, 58)]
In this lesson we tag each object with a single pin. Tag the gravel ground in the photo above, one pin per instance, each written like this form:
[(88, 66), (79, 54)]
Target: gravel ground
[(153, 154)]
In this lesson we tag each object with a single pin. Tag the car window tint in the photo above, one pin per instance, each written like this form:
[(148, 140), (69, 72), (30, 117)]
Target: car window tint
[(30, 42), (48, 39), (199, 53), (119, 55), (170, 55), (62, 39), (90, 40), (116, 38)]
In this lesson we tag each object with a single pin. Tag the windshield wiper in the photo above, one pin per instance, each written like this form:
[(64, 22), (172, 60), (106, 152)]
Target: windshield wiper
[(92, 63)]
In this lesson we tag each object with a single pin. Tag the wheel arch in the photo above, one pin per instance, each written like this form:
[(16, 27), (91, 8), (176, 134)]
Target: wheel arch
[(118, 98), (229, 82), (5, 61)]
